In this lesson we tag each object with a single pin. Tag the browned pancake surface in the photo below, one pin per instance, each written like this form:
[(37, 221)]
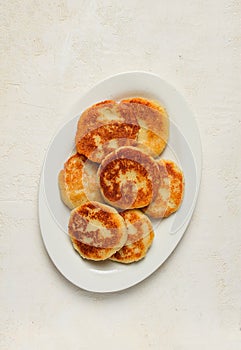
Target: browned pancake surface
[(128, 178), (78, 181), (139, 239), (102, 129), (96, 230), (170, 192), (153, 121)]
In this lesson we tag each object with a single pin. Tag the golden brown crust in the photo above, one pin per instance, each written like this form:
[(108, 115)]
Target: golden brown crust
[(153, 121), (143, 101), (102, 129), (104, 103), (90, 252), (63, 191), (78, 181), (92, 117), (140, 237), (134, 252), (128, 178), (108, 125), (97, 143), (170, 192), (177, 187), (96, 230)]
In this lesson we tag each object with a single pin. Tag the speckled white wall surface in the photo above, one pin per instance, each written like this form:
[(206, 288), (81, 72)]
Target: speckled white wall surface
[(50, 53)]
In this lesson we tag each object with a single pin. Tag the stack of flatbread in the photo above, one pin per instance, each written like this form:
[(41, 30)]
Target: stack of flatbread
[(116, 180)]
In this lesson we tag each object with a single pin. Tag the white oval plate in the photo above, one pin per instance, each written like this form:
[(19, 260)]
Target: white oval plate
[(184, 147)]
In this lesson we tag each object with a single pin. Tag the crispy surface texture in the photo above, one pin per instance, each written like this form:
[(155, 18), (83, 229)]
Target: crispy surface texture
[(96, 230), (153, 121), (78, 181), (108, 125), (170, 192), (128, 178), (139, 239), (102, 129)]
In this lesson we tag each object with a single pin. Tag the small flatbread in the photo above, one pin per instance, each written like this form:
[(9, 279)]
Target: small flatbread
[(139, 239), (78, 181), (129, 178), (153, 121), (170, 191), (102, 129), (96, 230)]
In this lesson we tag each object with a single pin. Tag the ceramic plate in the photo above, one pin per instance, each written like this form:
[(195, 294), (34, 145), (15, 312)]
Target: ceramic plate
[(184, 147)]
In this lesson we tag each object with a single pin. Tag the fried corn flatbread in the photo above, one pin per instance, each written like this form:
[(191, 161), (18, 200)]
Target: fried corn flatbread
[(129, 178), (96, 230), (78, 181), (102, 129), (139, 239), (170, 191), (153, 121), (108, 125)]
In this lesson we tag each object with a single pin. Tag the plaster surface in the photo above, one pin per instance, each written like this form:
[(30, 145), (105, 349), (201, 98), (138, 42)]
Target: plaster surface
[(51, 53)]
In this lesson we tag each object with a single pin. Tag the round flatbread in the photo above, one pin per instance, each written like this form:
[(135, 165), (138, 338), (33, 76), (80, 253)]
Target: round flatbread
[(153, 121), (170, 191), (128, 178), (102, 129), (96, 230), (139, 239), (78, 181)]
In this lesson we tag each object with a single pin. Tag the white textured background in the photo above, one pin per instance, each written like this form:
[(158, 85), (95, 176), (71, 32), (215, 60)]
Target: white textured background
[(50, 53)]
